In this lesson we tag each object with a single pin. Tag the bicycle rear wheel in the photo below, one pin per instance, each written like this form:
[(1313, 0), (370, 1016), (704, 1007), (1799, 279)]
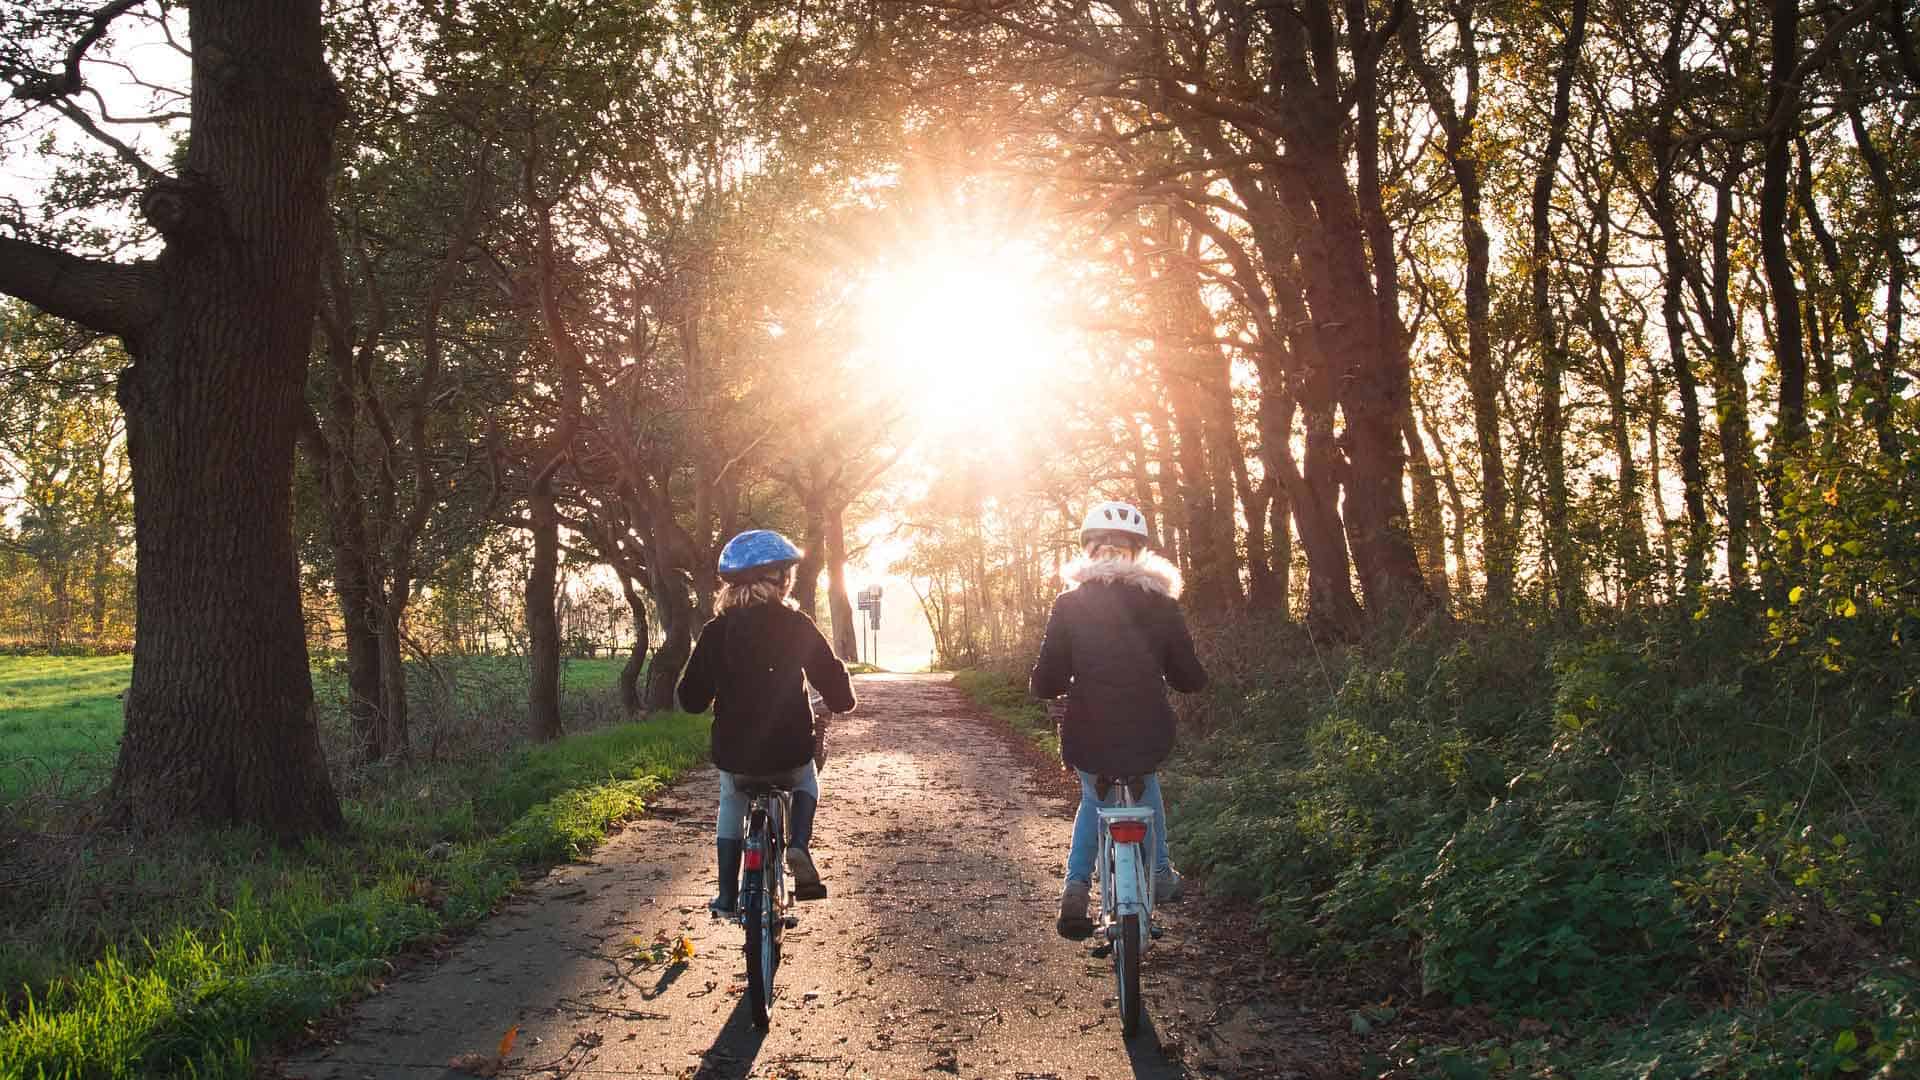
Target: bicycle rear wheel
[(762, 919), (1126, 973)]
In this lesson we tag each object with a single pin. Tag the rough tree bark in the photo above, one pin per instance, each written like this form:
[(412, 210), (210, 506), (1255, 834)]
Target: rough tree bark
[(1790, 358), (630, 697), (846, 635), (1568, 577), (1693, 477), (1482, 378), (219, 716), (672, 594)]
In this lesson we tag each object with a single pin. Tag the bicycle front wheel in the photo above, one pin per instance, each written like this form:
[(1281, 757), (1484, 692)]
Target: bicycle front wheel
[(1126, 973)]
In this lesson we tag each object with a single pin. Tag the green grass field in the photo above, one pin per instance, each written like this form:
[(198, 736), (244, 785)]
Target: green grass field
[(60, 715), (59, 720), (193, 957)]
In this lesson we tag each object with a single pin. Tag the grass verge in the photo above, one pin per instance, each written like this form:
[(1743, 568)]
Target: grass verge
[(60, 719), (133, 964)]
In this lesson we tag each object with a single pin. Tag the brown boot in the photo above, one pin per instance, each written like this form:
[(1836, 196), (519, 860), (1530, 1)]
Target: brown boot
[(1073, 923)]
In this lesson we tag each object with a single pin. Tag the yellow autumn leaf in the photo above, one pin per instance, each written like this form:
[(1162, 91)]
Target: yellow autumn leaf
[(1794, 594), (683, 950), (1848, 609)]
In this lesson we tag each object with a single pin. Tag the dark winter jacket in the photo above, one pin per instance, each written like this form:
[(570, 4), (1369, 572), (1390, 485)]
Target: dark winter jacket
[(747, 665), (1115, 641)]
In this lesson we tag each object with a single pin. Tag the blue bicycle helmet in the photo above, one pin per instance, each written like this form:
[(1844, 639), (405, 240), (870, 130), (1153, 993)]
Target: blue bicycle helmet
[(755, 552)]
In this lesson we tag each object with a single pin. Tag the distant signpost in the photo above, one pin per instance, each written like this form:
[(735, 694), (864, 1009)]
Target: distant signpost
[(868, 600)]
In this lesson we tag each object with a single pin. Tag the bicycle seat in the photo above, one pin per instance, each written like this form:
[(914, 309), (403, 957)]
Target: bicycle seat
[(752, 788), (1135, 783)]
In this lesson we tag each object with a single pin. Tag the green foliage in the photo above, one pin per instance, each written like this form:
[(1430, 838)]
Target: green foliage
[(1545, 908), (270, 940), (1853, 580), (1572, 825), (1006, 697)]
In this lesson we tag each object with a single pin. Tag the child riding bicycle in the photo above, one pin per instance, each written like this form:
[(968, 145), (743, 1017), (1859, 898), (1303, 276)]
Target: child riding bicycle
[(748, 664), (1115, 641)]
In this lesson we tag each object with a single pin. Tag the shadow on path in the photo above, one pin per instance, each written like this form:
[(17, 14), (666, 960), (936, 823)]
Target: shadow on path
[(735, 1048)]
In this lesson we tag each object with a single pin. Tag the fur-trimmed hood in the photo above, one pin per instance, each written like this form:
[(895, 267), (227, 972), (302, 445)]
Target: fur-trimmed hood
[(1149, 571)]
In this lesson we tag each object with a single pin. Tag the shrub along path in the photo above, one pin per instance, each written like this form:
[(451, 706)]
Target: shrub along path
[(941, 842)]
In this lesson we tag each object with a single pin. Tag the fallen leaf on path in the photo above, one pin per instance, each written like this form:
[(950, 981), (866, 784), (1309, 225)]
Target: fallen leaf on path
[(506, 1041), (476, 1064)]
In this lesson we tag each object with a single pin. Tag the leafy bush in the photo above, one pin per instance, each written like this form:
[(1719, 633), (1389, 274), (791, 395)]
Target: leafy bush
[(1572, 823)]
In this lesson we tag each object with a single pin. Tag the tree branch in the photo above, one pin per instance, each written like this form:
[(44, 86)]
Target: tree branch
[(49, 87), (114, 298)]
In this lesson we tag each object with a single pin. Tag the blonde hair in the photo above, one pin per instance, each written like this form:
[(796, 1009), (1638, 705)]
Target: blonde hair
[(766, 589)]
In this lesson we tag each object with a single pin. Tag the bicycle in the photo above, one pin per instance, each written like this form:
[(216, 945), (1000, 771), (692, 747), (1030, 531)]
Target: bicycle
[(1125, 866), (763, 899)]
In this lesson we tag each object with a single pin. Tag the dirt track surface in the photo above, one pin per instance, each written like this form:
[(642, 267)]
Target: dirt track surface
[(941, 841)]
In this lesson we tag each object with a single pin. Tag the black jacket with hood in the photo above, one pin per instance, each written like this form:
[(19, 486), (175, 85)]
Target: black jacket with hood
[(1115, 641), (747, 665)]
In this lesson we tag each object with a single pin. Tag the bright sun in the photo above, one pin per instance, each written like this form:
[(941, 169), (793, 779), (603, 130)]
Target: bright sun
[(963, 331)]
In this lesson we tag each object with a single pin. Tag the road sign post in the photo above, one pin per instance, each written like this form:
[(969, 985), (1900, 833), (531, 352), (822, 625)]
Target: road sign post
[(868, 600)]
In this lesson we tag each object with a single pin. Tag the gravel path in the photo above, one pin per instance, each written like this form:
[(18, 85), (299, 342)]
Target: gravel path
[(941, 840)]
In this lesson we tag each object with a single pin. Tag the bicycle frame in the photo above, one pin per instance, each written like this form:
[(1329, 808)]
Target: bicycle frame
[(765, 843)]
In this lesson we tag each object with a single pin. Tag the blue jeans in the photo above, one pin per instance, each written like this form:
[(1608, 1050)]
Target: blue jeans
[(732, 823), (1086, 828)]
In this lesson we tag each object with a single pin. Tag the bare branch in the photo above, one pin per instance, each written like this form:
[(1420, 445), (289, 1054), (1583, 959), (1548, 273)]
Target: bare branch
[(49, 88), (156, 118), (120, 149)]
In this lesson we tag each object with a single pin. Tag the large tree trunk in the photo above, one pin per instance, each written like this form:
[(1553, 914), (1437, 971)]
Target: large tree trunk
[(1789, 353), (673, 597), (630, 698), (394, 736), (543, 623), (806, 576), (351, 585), (219, 716), (846, 635), (1377, 398)]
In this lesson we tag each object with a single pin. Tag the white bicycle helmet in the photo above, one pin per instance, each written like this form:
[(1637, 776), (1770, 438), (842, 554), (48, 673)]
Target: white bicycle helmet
[(1115, 517)]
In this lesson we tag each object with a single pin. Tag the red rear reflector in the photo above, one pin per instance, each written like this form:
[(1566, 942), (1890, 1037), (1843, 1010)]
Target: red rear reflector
[(1128, 832), (755, 858)]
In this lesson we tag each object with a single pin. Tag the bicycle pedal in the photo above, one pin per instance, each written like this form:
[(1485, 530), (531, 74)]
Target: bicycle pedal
[(1103, 951), (789, 921), (1154, 932)]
